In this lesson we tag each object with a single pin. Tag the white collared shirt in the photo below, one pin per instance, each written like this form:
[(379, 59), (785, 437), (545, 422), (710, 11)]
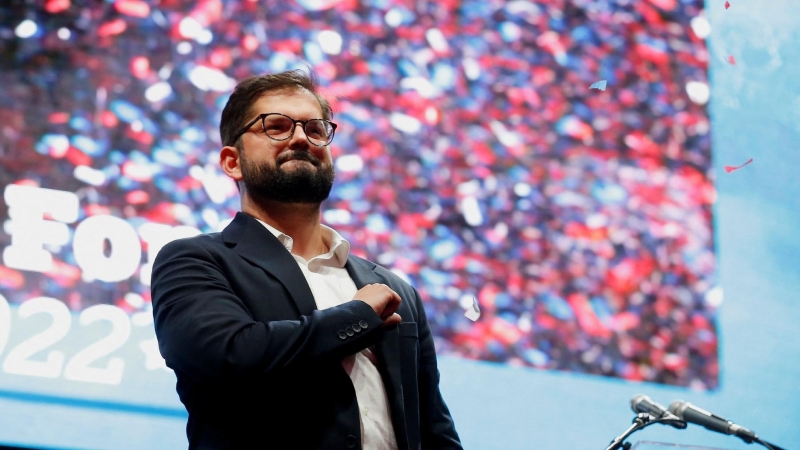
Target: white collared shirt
[(331, 285)]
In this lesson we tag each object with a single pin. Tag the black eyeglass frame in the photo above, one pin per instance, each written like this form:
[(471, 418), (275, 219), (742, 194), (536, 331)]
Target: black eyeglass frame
[(263, 116)]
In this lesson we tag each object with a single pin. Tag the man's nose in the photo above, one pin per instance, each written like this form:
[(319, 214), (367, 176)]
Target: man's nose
[(299, 135)]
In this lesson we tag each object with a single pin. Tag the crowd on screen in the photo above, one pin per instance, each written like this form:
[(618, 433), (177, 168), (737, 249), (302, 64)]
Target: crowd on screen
[(472, 157)]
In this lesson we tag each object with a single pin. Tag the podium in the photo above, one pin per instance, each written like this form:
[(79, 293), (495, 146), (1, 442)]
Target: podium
[(650, 445)]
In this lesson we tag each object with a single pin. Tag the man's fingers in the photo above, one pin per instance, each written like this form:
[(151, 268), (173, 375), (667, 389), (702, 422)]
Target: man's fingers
[(390, 308), (394, 319), (383, 299), (392, 304)]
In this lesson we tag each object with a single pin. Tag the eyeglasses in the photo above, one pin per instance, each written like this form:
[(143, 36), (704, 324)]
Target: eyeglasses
[(280, 127)]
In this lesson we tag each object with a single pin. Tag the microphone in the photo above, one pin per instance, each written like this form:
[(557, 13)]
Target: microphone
[(648, 413), (643, 404), (692, 414)]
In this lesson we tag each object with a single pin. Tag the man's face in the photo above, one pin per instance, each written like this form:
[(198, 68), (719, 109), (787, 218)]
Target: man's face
[(290, 171)]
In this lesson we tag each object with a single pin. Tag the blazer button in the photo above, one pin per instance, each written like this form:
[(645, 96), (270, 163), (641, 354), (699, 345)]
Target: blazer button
[(342, 335), (349, 331), (356, 328), (363, 324), (351, 441)]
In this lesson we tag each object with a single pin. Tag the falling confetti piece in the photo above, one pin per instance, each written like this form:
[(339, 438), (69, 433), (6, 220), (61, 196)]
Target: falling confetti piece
[(474, 312), (601, 85), (731, 59), (730, 169), (727, 5), (154, 359)]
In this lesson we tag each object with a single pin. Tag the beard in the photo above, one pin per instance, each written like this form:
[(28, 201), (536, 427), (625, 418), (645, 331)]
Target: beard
[(303, 184)]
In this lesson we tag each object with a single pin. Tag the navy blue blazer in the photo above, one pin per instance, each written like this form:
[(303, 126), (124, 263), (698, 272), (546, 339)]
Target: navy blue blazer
[(259, 366)]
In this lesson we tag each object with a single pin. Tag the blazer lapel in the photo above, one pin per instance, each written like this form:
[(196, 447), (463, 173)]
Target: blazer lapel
[(387, 351), (253, 242)]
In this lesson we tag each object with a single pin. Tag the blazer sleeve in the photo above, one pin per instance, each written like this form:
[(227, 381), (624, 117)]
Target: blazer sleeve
[(437, 428), (206, 332)]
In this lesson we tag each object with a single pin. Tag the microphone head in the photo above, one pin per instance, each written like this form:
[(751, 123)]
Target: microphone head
[(636, 399), (640, 403), (643, 404), (678, 407)]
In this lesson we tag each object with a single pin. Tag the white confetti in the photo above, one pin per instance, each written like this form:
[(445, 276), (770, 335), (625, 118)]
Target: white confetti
[(89, 175), (26, 29), (601, 85), (473, 313), (210, 79), (153, 358)]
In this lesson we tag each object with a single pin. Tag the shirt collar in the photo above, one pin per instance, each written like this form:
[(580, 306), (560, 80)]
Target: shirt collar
[(336, 256)]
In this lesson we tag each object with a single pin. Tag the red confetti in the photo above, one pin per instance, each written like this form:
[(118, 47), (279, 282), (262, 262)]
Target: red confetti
[(730, 169), (287, 45), (56, 6), (108, 119), (77, 157), (731, 59), (27, 182), (666, 5), (220, 58), (207, 11), (10, 278), (114, 27), (727, 5), (142, 137), (250, 43), (137, 197), (135, 8), (140, 66), (58, 117)]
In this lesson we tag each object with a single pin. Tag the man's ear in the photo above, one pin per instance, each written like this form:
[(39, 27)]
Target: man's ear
[(230, 162)]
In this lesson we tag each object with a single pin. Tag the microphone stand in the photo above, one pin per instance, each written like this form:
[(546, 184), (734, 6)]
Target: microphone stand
[(642, 420), (767, 444)]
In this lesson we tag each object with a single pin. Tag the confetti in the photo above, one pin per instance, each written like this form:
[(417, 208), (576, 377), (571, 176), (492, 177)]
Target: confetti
[(154, 360), (731, 59), (601, 85), (727, 5), (730, 169), (135, 8), (474, 312), (56, 6)]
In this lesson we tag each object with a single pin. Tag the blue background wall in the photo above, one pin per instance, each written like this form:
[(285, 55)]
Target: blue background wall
[(755, 110)]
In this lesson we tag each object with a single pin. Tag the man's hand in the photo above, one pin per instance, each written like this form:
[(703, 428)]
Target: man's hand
[(383, 300)]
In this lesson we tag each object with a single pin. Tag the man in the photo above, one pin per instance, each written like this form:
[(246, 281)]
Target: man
[(278, 336)]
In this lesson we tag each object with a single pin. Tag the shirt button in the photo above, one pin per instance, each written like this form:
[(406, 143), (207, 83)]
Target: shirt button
[(342, 335), (351, 441), (349, 331), (363, 324), (356, 328)]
